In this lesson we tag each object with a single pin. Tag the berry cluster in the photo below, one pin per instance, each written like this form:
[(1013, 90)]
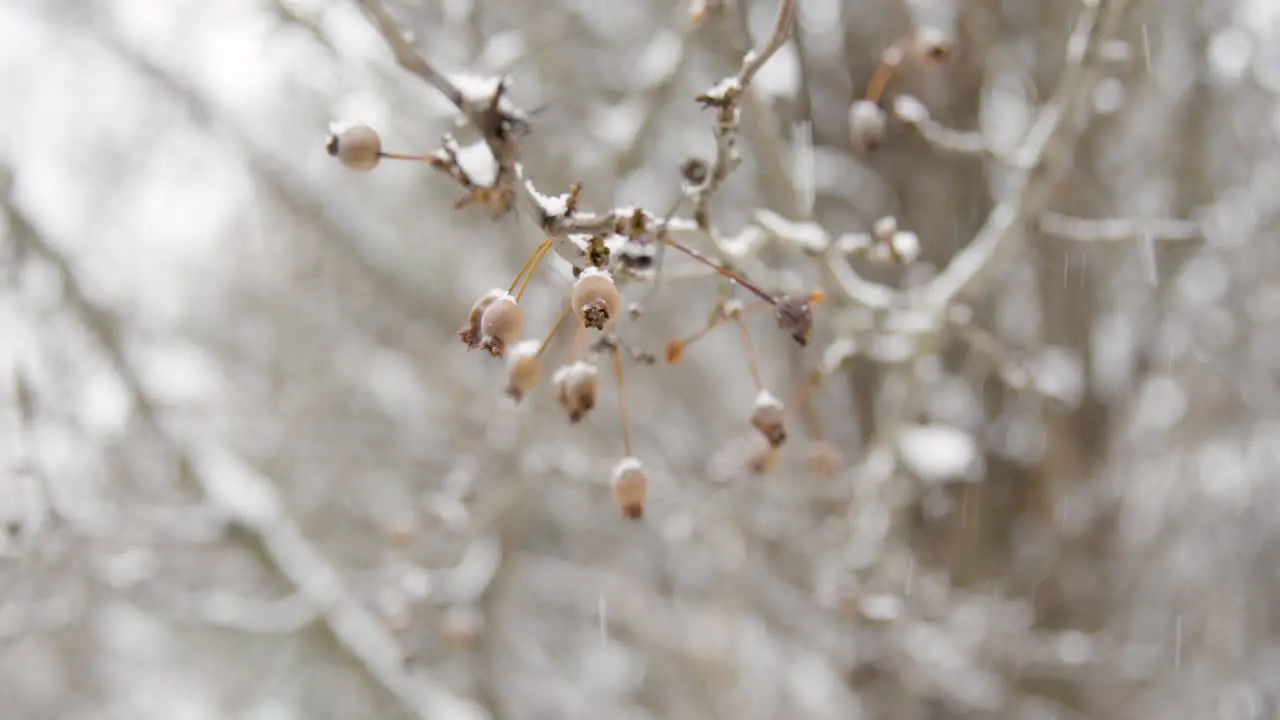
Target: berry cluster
[(621, 247)]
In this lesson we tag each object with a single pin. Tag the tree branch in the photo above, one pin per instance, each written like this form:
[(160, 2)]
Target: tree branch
[(1042, 153), (254, 503)]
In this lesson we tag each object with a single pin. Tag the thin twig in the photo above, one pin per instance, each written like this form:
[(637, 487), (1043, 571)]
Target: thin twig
[(1042, 155), (726, 97), (1119, 229), (222, 476)]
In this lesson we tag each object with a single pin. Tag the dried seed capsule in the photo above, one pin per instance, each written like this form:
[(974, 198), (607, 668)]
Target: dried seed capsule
[(595, 298), (357, 147), (500, 325), (795, 316), (769, 418), (522, 368), (470, 333), (629, 487), (575, 389), (867, 125)]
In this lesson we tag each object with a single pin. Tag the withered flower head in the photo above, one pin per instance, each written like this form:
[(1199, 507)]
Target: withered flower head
[(795, 316)]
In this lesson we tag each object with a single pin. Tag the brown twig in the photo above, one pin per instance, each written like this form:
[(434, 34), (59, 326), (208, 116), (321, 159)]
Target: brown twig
[(726, 97)]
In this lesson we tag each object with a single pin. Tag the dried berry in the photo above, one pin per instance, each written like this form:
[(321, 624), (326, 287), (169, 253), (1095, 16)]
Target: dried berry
[(629, 487), (595, 298), (575, 387), (867, 125), (522, 368), (694, 171), (795, 316), (769, 417), (470, 333), (501, 325), (357, 147)]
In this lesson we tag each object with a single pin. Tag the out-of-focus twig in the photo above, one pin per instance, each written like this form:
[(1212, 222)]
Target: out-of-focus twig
[(1041, 159), (1118, 229), (726, 97), (254, 503)]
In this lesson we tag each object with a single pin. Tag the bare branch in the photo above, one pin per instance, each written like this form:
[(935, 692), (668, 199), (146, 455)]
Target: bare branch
[(756, 59), (1041, 154), (1119, 229), (913, 112), (726, 97), (255, 504)]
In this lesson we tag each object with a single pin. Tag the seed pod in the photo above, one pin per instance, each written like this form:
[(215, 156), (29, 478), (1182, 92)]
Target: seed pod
[(867, 125), (795, 316), (500, 325), (522, 368), (575, 389), (769, 418), (357, 147), (595, 298), (629, 487), (470, 333)]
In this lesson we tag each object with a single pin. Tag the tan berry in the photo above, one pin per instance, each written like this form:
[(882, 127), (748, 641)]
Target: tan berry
[(867, 125), (500, 325), (357, 147), (629, 487), (470, 333), (769, 417), (575, 387), (522, 368), (595, 298)]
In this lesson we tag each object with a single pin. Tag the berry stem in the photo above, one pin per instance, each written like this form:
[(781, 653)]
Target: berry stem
[(537, 257), (622, 402), (804, 400), (406, 156), (884, 73), (752, 364), (525, 267), (546, 341), (721, 269)]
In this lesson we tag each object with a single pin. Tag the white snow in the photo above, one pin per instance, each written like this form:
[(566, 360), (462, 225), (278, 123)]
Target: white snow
[(939, 453)]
